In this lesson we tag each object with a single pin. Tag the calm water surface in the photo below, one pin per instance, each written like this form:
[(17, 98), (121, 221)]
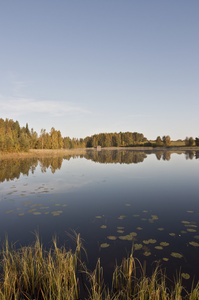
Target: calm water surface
[(114, 199)]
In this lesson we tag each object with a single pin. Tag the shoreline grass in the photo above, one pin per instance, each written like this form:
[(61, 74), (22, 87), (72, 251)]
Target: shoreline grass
[(34, 273), (81, 151)]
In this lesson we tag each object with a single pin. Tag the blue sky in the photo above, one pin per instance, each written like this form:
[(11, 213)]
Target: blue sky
[(88, 66)]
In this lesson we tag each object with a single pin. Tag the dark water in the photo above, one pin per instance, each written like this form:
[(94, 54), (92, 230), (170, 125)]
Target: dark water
[(108, 197)]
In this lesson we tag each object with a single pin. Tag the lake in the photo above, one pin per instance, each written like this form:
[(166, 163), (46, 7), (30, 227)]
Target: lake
[(114, 199)]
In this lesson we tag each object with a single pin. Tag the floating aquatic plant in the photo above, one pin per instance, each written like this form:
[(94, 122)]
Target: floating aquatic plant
[(98, 217), (31, 210), (104, 245), (21, 214), (154, 217), (120, 231), (121, 217), (9, 211), (176, 255), (112, 237), (136, 216), (147, 253), (127, 204), (172, 234), (138, 246), (195, 244), (185, 275), (165, 259), (190, 211), (160, 229), (158, 247), (103, 226), (139, 228), (133, 234), (196, 237), (120, 227), (164, 244), (191, 230), (185, 222), (36, 213)]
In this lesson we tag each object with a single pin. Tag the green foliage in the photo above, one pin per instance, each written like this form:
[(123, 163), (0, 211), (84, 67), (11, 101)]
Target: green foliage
[(115, 139), (197, 141), (158, 142), (189, 141), (166, 140)]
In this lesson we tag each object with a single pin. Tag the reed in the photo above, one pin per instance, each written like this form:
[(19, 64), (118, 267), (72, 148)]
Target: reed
[(34, 273)]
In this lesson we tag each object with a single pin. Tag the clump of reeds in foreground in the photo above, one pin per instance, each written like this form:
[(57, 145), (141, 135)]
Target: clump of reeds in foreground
[(33, 273)]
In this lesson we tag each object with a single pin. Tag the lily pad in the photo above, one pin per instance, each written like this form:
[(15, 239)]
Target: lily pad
[(104, 245), (172, 234), (127, 237), (36, 213), (165, 259), (22, 214), (138, 246), (196, 237), (147, 253), (120, 227), (133, 234), (154, 217), (64, 205), (139, 228), (121, 217), (9, 211), (98, 217), (112, 237), (190, 211), (160, 229), (158, 247), (103, 226), (191, 230), (31, 210), (136, 216), (185, 275), (152, 241), (127, 204), (120, 231), (195, 244), (164, 244), (176, 255), (185, 222), (145, 211)]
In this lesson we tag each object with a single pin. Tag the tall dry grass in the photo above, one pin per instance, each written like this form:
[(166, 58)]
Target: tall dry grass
[(34, 273)]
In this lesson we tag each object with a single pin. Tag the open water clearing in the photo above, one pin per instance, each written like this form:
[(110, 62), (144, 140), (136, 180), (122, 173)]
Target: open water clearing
[(116, 200)]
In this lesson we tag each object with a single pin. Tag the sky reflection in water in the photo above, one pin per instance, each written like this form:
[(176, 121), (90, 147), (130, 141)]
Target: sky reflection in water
[(110, 198)]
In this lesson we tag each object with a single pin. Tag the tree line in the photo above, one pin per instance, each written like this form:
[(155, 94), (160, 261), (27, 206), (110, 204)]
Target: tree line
[(14, 138)]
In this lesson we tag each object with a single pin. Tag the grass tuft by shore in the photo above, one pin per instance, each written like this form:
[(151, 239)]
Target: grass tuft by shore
[(34, 273)]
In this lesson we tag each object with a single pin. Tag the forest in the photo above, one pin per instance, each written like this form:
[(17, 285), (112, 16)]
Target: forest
[(14, 138)]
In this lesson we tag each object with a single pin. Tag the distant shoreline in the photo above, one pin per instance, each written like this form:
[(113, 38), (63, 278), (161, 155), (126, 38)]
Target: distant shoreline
[(80, 151)]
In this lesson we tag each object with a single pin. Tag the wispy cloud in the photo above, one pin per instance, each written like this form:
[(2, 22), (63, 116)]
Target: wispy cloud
[(23, 106)]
